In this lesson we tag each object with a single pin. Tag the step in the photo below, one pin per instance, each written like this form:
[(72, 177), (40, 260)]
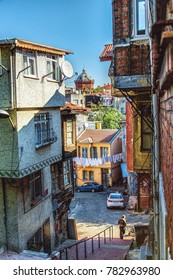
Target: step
[(110, 249)]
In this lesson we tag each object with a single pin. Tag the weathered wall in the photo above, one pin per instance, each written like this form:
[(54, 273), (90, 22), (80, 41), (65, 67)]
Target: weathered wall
[(22, 220), (37, 92), (166, 148), (142, 159), (129, 137), (31, 158), (5, 86)]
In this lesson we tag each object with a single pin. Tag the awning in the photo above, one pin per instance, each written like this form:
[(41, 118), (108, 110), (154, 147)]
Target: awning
[(107, 53), (125, 173)]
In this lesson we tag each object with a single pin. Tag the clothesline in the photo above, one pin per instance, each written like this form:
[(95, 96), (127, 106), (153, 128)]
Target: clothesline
[(97, 161)]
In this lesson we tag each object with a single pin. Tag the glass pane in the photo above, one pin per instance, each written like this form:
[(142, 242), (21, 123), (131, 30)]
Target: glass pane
[(140, 17), (32, 66), (145, 127), (146, 143), (54, 70), (48, 67)]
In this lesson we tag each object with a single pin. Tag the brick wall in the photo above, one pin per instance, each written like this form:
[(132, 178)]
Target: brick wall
[(166, 148), (132, 60), (121, 26), (131, 57)]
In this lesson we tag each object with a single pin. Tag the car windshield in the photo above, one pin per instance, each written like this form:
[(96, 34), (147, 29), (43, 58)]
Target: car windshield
[(116, 196)]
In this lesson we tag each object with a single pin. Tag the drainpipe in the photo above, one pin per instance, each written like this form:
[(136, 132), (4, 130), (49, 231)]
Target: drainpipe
[(156, 168), (154, 11), (155, 157), (4, 211)]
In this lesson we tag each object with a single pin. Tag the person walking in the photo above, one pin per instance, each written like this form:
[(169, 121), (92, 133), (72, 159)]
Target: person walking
[(122, 225)]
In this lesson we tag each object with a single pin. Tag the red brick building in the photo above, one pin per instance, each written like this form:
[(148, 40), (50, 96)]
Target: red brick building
[(84, 82), (131, 79), (162, 50)]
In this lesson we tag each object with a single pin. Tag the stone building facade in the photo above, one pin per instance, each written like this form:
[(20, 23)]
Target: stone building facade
[(31, 93)]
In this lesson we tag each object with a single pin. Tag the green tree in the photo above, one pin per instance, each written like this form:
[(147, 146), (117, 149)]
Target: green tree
[(109, 116)]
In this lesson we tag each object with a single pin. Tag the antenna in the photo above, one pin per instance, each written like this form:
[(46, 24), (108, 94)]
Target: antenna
[(67, 69)]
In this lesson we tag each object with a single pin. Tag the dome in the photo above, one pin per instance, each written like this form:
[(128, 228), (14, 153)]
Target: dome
[(84, 77)]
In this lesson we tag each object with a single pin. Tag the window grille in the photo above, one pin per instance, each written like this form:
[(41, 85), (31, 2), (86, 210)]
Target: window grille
[(44, 133)]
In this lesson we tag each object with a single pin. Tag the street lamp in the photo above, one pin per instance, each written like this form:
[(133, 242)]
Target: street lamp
[(5, 115)]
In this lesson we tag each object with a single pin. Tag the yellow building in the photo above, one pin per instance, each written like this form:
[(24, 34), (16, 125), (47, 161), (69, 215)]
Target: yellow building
[(99, 155)]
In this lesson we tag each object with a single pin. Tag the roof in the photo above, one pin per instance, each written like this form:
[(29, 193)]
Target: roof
[(20, 43), (84, 77), (97, 135), (107, 53), (72, 106), (108, 86)]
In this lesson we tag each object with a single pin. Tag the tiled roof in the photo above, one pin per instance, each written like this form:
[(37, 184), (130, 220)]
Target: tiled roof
[(34, 46), (108, 86), (97, 135), (107, 53), (74, 107)]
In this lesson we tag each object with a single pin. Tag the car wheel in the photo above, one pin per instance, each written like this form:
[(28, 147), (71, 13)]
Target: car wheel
[(78, 190), (93, 190)]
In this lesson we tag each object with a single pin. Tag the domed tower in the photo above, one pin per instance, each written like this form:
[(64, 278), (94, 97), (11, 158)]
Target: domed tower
[(84, 82)]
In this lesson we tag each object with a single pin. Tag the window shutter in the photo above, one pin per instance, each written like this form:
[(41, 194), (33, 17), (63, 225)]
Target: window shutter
[(58, 74)]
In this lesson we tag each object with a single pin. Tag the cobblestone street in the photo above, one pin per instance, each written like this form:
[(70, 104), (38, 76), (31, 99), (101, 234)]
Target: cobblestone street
[(92, 215)]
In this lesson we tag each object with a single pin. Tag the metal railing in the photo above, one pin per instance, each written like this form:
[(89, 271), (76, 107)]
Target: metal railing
[(64, 253)]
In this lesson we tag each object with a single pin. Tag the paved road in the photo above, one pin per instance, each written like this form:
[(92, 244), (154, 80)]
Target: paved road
[(92, 215)]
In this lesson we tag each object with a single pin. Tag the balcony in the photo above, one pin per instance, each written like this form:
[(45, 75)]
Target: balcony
[(166, 72)]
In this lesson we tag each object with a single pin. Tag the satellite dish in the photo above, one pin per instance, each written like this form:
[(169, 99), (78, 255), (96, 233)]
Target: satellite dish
[(67, 69)]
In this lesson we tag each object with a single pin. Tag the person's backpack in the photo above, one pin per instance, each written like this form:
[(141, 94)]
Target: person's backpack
[(122, 223)]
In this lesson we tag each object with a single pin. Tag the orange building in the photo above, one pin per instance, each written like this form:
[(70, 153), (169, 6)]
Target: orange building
[(99, 155)]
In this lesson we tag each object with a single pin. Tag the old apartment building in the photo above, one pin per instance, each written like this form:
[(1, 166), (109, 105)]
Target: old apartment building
[(35, 183), (141, 71), (130, 78), (99, 156)]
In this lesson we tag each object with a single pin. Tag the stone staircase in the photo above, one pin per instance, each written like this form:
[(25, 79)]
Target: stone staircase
[(96, 248)]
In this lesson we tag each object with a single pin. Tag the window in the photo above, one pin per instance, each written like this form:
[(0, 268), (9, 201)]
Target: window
[(43, 130), (85, 176), (75, 101), (91, 175), (53, 68), (93, 152), (29, 61), (78, 148), (36, 242), (35, 182), (55, 174), (66, 167), (84, 152), (141, 19), (0, 62), (104, 152), (146, 129), (69, 132)]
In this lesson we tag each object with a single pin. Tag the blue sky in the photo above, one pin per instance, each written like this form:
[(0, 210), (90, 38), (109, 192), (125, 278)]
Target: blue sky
[(81, 26)]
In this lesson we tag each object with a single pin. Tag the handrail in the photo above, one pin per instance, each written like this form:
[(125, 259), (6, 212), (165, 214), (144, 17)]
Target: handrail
[(65, 249)]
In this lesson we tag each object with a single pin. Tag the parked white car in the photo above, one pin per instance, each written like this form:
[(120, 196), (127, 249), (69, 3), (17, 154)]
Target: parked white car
[(115, 200)]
